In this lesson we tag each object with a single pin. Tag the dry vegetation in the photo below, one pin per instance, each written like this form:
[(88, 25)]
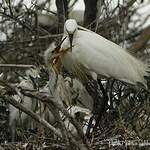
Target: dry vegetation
[(124, 111)]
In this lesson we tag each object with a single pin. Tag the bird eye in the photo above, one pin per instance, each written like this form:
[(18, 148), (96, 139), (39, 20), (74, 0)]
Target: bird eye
[(53, 51)]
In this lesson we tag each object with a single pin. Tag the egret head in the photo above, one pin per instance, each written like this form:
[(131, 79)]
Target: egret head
[(70, 28), (48, 55)]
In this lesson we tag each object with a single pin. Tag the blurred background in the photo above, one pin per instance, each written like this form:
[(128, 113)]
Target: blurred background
[(29, 27)]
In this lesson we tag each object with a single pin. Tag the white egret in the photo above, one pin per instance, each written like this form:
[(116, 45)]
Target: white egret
[(15, 116), (91, 53)]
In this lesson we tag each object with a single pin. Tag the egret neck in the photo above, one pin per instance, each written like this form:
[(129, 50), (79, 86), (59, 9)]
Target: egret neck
[(70, 29)]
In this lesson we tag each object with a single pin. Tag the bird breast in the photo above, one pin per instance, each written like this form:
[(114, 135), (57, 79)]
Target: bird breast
[(71, 62), (68, 60)]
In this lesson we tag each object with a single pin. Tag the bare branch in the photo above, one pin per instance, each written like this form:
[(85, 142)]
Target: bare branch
[(51, 36), (31, 113), (17, 66), (47, 99), (140, 43)]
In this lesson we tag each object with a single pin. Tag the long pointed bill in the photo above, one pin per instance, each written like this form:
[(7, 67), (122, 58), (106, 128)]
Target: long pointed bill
[(71, 39), (55, 59), (58, 54)]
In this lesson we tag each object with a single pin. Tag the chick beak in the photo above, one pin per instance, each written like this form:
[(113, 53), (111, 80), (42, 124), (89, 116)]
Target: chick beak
[(71, 39), (54, 56)]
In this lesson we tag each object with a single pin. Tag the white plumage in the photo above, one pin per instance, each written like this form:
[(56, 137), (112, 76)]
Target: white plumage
[(91, 52)]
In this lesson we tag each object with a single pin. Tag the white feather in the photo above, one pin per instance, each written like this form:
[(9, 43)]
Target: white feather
[(102, 56)]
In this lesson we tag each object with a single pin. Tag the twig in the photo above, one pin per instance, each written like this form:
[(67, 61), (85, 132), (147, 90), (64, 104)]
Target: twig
[(39, 7), (24, 24), (139, 44), (51, 36), (57, 116), (18, 66), (48, 99), (31, 113), (43, 98), (10, 8), (103, 104), (53, 82)]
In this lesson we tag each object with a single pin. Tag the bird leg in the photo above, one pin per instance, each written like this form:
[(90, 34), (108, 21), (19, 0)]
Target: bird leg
[(93, 89)]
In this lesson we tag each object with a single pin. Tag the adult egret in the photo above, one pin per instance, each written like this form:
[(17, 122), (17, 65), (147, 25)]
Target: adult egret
[(91, 53)]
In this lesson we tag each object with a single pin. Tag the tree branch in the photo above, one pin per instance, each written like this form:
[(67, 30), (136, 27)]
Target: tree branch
[(19, 66), (48, 99), (90, 13), (140, 43), (31, 114)]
